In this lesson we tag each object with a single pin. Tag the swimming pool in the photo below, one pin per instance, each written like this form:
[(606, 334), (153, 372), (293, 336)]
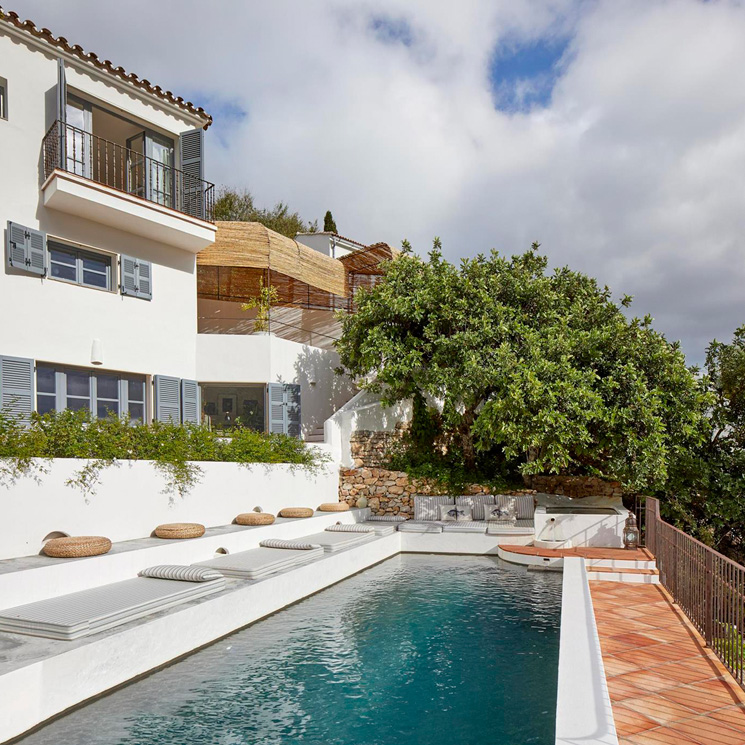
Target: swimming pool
[(456, 650)]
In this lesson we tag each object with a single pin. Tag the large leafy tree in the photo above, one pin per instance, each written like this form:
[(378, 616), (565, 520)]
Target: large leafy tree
[(234, 205), (543, 365), (705, 494)]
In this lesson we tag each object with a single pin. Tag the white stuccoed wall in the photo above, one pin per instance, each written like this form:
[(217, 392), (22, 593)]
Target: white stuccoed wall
[(129, 502), (55, 321), (265, 358)]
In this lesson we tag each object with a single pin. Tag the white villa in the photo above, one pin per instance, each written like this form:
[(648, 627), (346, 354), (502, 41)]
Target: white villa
[(120, 292)]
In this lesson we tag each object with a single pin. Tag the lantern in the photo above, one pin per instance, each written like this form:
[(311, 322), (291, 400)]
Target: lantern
[(631, 532)]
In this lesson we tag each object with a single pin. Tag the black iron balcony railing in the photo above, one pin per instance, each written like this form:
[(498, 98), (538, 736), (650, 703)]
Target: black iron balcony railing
[(76, 151)]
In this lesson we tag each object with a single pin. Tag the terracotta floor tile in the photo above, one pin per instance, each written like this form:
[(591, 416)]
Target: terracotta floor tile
[(699, 700), (686, 672), (629, 722), (659, 709), (721, 684), (614, 666), (706, 731), (637, 640), (733, 716), (619, 689), (650, 681), (662, 736)]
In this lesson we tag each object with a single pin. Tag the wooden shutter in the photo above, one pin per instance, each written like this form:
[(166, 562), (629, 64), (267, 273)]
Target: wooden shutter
[(144, 280), (26, 249), (275, 396), (190, 401), (137, 278), (167, 399), (128, 284), (191, 150), (17, 386), (292, 397)]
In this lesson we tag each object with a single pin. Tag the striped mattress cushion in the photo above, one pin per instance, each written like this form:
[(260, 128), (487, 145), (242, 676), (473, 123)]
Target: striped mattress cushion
[(477, 503), (428, 508), (386, 518), (282, 543), (350, 528), (181, 573), (525, 504)]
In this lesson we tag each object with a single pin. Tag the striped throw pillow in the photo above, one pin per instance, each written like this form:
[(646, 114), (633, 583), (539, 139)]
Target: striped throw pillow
[(350, 528), (386, 518)]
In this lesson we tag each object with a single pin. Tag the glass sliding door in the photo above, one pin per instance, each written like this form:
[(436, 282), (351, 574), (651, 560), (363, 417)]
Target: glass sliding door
[(160, 171), (78, 137)]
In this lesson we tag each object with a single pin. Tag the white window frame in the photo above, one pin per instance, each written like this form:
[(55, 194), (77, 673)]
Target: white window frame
[(81, 250), (3, 98)]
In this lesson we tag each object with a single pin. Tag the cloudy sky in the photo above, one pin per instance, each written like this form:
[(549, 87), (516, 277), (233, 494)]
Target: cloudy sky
[(612, 131)]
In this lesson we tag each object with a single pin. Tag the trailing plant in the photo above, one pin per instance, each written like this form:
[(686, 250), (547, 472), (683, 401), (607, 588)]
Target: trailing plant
[(263, 302), (174, 449)]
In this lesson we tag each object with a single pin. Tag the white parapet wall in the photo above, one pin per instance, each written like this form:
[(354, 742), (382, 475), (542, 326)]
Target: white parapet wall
[(584, 715), (130, 501)]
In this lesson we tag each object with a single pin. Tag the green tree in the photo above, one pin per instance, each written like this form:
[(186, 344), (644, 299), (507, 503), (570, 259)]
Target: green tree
[(544, 366), (705, 495), (234, 205), (329, 226)]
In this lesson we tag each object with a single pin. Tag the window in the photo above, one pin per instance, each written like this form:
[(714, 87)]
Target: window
[(101, 393), (80, 267), (3, 98)]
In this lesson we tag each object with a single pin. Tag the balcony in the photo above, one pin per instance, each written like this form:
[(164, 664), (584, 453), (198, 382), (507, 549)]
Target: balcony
[(94, 178)]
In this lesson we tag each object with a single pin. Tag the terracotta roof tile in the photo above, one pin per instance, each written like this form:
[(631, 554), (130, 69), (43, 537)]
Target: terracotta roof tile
[(75, 49)]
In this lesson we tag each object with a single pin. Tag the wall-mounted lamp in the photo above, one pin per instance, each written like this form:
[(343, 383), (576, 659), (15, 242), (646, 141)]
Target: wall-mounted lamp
[(97, 352)]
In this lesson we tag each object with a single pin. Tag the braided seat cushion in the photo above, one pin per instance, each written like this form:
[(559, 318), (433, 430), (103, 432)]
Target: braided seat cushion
[(181, 573), (296, 512), (77, 547), (282, 543), (333, 507), (254, 518), (180, 530)]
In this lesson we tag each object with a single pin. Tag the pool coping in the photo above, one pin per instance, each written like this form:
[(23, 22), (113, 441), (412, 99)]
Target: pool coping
[(583, 707)]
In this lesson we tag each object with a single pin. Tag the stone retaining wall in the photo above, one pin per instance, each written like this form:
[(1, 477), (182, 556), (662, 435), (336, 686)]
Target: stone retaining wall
[(391, 492), (369, 448)]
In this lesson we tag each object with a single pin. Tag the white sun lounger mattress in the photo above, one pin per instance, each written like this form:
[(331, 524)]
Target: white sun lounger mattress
[(381, 528), (259, 562), (332, 542), (90, 611), (521, 527)]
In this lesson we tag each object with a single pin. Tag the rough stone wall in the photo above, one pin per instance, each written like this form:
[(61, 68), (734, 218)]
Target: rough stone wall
[(575, 486), (389, 492), (369, 448)]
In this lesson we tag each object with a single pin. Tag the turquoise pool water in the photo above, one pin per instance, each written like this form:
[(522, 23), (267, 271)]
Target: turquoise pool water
[(420, 649)]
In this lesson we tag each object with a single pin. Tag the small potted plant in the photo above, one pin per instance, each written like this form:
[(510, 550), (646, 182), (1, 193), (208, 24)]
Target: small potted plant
[(263, 302)]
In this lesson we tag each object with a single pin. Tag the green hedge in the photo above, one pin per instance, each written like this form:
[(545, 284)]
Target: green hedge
[(173, 448)]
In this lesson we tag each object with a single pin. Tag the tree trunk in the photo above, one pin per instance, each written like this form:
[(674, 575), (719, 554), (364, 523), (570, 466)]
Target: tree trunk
[(466, 438)]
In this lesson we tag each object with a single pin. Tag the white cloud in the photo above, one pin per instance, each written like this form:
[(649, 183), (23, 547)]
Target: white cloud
[(635, 171)]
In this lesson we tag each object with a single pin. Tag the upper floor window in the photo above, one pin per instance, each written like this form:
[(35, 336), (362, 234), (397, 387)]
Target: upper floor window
[(78, 266), (3, 98)]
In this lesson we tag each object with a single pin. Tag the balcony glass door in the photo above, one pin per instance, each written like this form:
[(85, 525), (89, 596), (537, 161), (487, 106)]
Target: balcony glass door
[(136, 176), (78, 137), (150, 168), (160, 169)]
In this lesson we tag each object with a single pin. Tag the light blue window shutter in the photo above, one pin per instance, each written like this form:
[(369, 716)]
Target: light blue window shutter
[(128, 284), (275, 395), (190, 401), (292, 397), (167, 399), (144, 286), (17, 386), (26, 248), (191, 148)]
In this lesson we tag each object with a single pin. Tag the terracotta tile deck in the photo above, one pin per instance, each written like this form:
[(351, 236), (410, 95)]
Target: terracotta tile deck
[(640, 554), (665, 685)]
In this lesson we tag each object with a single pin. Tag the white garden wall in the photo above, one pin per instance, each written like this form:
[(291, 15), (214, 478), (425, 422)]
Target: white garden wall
[(130, 501)]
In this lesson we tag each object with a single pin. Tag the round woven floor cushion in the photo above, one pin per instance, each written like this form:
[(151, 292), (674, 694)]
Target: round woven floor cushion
[(334, 507), (255, 518), (296, 512), (180, 530), (75, 547)]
